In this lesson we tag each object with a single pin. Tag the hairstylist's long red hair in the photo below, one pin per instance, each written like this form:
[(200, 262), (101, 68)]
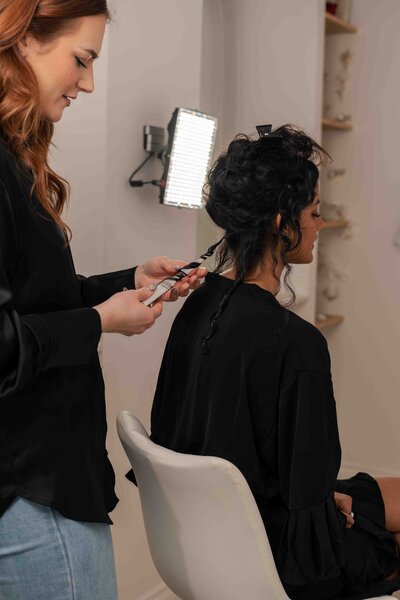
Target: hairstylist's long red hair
[(27, 133)]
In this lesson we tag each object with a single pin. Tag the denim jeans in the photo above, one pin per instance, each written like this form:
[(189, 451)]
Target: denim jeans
[(44, 556)]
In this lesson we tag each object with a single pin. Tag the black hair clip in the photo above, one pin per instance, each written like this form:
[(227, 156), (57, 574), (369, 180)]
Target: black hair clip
[(265, 131)]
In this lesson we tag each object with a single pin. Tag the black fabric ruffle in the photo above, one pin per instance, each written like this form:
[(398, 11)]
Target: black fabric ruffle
[(370, 549), (311, 545)]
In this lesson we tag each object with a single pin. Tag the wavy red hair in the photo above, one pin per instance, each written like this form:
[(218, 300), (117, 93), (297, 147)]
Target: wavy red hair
[(26, 132)]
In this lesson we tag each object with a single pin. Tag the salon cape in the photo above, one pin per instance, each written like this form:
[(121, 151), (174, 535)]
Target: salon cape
[(260, 397)]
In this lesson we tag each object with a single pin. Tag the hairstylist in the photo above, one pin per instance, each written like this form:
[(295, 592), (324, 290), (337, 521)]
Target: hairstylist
[(56, 483)]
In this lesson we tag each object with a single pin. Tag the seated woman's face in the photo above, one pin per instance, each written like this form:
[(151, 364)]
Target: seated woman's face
[(310, 224)]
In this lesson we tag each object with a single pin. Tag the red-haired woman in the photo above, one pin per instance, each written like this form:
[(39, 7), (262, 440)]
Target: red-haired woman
[(56, 484)]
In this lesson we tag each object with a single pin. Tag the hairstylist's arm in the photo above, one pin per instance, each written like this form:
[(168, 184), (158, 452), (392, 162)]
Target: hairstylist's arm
[(124, 312)]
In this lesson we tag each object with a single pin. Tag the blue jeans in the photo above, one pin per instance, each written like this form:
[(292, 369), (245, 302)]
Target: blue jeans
[(44, 556)]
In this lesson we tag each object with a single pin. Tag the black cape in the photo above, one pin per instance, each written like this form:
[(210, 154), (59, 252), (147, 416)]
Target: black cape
[(261, 397)]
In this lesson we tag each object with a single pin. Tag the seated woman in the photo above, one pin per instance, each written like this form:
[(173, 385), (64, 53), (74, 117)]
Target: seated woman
[(246, 379)]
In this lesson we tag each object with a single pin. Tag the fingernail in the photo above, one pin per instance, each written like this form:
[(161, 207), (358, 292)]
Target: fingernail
[(174, 294), (177, 267), (151, 286)]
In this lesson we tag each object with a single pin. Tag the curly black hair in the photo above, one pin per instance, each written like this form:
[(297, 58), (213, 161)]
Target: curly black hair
[(247, 187)]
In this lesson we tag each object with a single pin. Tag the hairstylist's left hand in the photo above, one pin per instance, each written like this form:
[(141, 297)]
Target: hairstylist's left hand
[(160, 267)]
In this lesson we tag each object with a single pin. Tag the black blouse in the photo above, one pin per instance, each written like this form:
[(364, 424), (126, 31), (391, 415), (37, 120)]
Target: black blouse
[(262, 398), (52, 408)]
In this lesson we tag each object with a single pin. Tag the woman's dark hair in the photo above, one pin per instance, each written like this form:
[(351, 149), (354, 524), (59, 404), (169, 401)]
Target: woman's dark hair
[(247, 187)]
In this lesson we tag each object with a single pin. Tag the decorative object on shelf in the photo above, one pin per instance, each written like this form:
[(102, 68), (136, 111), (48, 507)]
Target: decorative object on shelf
[(345, 59), (333, 173), (327, 107), (321, 317), (343, 118), (330, 275), (334, 210), (331, 7), (343, 10), (338, 96), (350, 230)]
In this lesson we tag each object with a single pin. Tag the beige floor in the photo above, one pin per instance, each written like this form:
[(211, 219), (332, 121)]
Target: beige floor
[(395, 595)]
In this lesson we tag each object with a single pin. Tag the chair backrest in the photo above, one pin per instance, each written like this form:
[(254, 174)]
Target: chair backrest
[(204, 530)]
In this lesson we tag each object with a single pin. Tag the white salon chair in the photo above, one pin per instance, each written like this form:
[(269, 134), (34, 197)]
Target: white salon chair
[(204, 530)]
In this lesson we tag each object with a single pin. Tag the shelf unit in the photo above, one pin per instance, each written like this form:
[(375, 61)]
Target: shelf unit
[(334, 26), (335, 224), (330, 321), (336, 124)]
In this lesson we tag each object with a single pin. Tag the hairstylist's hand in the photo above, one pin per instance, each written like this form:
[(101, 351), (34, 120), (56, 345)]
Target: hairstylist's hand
[(160, 267), (344, 503), (124, 312)]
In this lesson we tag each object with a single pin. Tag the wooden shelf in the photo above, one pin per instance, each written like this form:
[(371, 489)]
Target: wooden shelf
[(335, 223), (333, 25), (330, 321), (336, 124)]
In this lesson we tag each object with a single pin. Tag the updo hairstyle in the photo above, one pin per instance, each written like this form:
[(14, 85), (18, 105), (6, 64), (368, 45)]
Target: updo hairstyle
[(247, 187)]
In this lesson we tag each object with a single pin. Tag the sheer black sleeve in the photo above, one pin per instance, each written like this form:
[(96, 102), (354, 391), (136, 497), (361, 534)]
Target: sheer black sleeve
[(30, 344), (309, 459), (98, 288)]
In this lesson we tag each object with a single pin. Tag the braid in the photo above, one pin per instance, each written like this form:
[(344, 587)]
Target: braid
[(251, 247), (225, 299)]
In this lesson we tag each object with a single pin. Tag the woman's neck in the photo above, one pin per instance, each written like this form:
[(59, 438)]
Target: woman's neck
[(262, 276)]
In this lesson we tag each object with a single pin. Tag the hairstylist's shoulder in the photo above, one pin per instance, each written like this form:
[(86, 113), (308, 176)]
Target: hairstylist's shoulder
[(10, 238), (305, 345), (6, 207), (15, 182), (7, 160), (11, 173)]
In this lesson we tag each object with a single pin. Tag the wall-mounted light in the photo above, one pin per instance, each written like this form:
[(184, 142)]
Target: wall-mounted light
[(186, 158)]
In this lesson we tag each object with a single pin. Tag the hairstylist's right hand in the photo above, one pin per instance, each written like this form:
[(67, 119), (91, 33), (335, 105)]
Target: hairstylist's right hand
[(124, 312)]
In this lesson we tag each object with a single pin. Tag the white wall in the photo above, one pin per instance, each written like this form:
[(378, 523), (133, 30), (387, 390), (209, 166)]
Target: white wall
[(150, 64), (153, 66), (79, 155), (156, 57), (254, 62), (262, 63), (365, 349)]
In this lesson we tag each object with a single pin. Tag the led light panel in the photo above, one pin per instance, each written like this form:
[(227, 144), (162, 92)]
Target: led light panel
[(190, 148)]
